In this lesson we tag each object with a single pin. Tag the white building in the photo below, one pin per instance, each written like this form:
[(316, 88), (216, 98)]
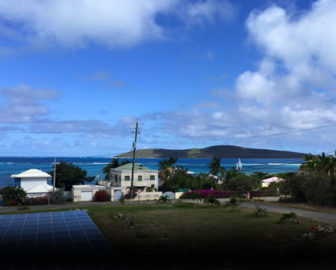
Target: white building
[(143, 177), (34, 182), (85, 193), (120, 182), (268, 181)]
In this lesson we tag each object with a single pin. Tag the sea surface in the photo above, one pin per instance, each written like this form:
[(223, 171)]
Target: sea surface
[(94, 166)]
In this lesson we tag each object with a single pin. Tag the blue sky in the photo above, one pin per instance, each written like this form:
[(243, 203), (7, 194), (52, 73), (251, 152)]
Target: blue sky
[(76, 75)]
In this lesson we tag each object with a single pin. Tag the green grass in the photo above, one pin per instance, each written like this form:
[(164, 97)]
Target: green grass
[(208, 237), (211, 236)]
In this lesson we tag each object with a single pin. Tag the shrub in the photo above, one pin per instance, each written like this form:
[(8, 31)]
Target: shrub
[(263, 193), (288, 216), (57, 197), (164, 199), (205, 193), (37, 200), (101, 196), (233, 202), (311, 188), (260, 212), (211, 200), (196, 196), (13, 195)]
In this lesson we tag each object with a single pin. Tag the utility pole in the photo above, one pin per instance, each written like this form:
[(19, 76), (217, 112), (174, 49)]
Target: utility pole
[(54, 177), (133, 160)]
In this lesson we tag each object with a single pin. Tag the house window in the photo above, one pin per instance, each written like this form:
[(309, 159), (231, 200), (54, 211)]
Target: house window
[(139, 178), (152, 177), (127, 177), (18, 182)]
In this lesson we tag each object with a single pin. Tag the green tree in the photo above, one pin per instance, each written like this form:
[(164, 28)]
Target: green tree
[(13, 195), (68, 175), (115, 163), (232, 173), (216, 168), (166, 168), (260, 175), (242, 182)]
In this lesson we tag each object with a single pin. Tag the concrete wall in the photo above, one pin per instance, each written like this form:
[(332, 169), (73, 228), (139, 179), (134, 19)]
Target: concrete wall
[(267, 199), (148, 196), (178, 195), (77, 190), (29, 183)]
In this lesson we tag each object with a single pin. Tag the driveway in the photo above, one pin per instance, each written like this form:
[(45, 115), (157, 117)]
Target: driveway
[(319, 216)]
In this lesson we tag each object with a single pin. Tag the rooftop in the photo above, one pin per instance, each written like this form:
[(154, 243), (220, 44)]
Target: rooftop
[(32, 173), (137, 167)]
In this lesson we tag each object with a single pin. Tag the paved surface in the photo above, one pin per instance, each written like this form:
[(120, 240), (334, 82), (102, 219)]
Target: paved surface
[(319, 216)]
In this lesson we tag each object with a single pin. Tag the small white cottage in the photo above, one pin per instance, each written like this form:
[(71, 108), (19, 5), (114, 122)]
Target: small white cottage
[(34, 182)]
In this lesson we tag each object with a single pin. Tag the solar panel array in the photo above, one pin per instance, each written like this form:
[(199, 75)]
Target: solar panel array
[(53, 240)]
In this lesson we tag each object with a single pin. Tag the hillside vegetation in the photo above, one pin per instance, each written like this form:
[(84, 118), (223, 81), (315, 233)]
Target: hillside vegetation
[(220, 151)]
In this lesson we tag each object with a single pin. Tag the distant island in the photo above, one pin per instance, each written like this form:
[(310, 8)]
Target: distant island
[(220, 151)]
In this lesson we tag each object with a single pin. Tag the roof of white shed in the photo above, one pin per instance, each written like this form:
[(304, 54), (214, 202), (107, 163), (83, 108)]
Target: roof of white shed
[(32, 173)]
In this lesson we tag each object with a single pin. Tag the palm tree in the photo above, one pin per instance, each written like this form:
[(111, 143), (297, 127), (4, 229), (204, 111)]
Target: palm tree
[(330, 165), (166, 168), (215, 167), (113, 164)]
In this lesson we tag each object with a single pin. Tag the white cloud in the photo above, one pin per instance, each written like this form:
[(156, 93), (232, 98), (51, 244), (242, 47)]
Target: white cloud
[(289, 100), (113, 23), (23, 104), (295, 81), (210, 10)]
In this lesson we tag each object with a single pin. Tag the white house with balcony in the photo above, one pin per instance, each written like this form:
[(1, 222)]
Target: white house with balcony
[(34, 182), (143, 177)]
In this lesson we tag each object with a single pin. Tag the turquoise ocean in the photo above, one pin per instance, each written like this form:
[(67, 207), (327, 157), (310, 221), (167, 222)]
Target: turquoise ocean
[(94, 166)]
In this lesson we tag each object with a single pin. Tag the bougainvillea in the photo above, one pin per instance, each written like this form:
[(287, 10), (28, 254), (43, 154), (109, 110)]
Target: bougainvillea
[(101, 196)]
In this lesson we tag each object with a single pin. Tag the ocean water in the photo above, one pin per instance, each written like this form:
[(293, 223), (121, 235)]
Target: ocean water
[(94, 166)]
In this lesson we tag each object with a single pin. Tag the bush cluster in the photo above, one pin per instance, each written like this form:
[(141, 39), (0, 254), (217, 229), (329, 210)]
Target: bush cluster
[(312, 188), (37, 200), (205, 194), (211, 200), (101, 196), (13, 195), (263, 193), (57, 197)]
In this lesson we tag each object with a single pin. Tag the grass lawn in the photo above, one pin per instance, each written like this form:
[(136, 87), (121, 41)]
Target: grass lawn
[(183, 236)]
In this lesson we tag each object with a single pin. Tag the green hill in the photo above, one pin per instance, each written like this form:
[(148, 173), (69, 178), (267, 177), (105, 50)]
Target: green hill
[(221, 151)]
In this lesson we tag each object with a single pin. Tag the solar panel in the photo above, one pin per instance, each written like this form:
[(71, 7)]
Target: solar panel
[(53, 240)]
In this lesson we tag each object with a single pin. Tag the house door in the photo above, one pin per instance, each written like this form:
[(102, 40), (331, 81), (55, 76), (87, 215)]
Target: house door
[(86, 196)]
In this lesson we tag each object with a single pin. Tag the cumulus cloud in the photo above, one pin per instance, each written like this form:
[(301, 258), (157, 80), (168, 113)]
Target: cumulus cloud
[(210, 11), (113, 23), (290, 94), (296, 77)]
